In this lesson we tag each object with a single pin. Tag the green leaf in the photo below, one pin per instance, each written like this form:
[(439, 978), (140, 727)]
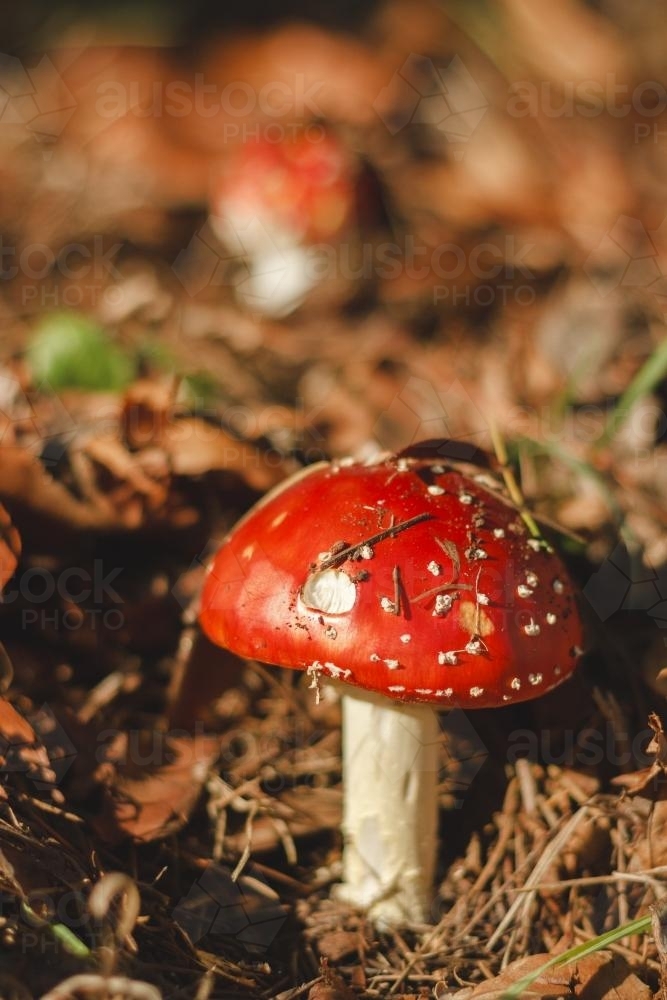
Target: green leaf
[(70, 351), (68, 940)]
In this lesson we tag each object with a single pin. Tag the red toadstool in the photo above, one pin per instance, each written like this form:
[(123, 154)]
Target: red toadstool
[(273, 202), (419, 587)]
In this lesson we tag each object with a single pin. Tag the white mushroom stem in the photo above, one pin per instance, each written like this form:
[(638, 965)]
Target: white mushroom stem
[(390, 811)]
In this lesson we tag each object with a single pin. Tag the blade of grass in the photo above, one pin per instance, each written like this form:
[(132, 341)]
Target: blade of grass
[(68, 940), (552, 450), (638, 926), (513, 488), (652, 372)]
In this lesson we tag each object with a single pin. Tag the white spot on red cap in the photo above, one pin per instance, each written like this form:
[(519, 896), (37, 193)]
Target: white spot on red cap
[(476, 692), (435, 491), (338, 671), (475, 646), (450, 658), (443, 604), (434, 567), (330, 591), (532, 628)]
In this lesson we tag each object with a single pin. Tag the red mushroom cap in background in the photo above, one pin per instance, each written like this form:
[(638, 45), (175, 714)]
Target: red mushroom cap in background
[(303, 184), (407, 578)]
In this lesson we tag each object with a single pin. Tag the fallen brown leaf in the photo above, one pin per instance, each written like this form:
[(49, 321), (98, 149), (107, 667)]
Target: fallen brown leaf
[(330, 987), (195, 446), (649, 782), (24, 483), (10, 547), (338, 945), (603, 976), (151, 782), (192, 445), (20, 749)]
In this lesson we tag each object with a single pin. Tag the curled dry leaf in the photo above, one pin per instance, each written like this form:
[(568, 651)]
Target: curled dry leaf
[(136, 485), (10, 547), (26, 484), (193, 446), (146, 411), (137, 488), (147, 802), (339, 944), (649, 782), (20, 748), (330, 987)]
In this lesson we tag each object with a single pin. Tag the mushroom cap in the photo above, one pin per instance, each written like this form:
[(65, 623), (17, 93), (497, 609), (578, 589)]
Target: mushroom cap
[(304, 184), (407, 577)]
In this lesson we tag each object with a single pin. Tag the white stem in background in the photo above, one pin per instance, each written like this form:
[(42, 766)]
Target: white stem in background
[(390, 812)]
